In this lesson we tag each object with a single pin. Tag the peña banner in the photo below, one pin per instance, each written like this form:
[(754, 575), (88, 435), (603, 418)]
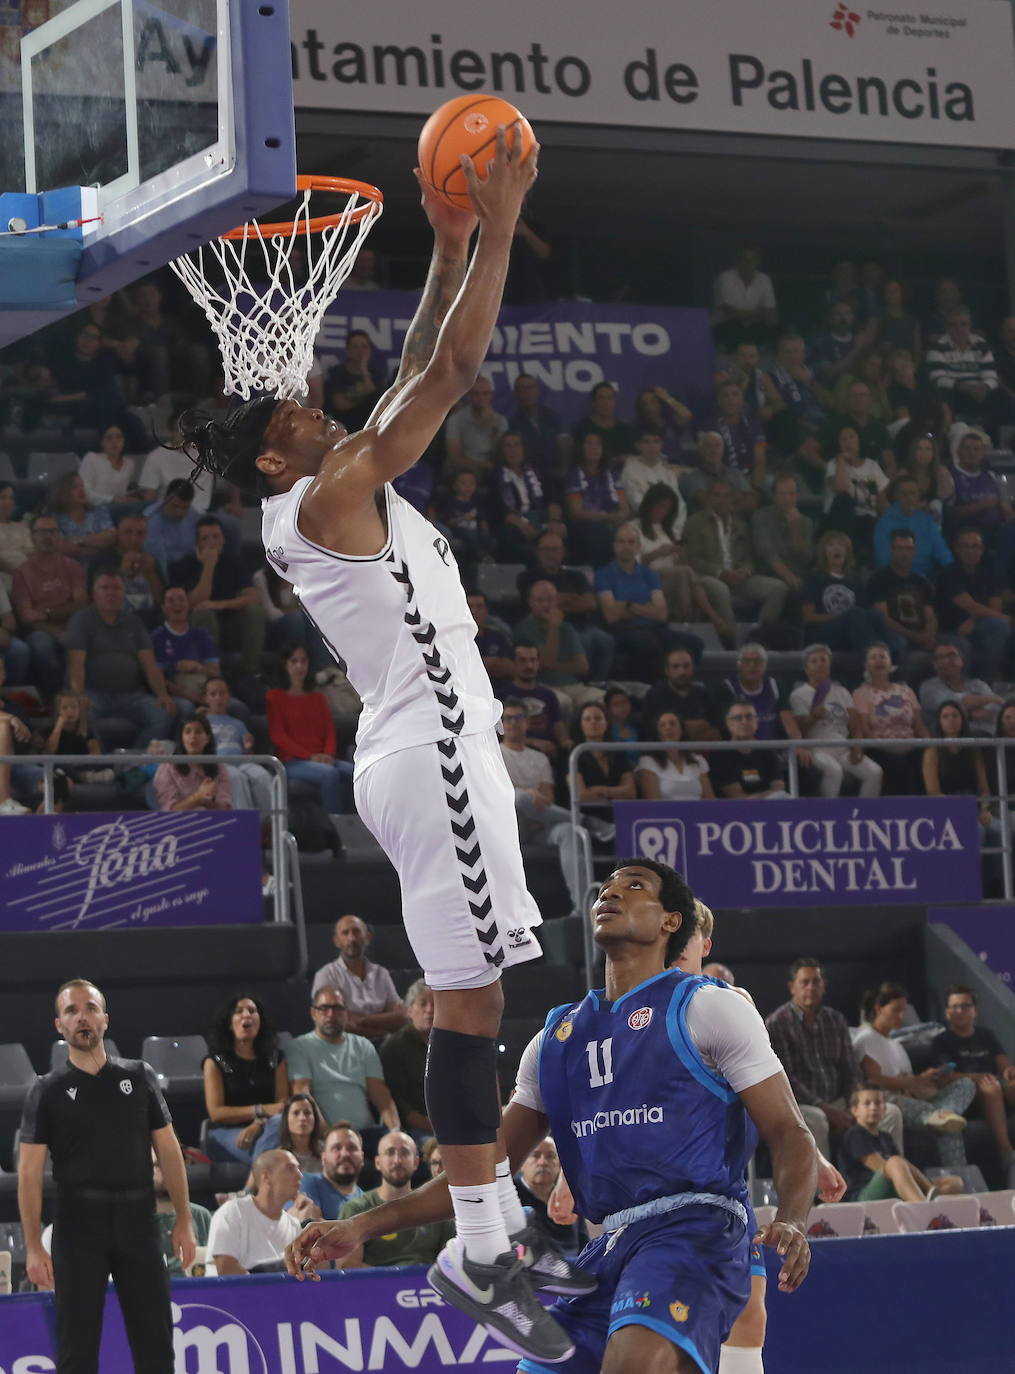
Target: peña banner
[(96, 871), (812, 851)]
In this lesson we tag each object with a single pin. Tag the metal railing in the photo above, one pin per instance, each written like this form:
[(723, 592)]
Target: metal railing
[(582, 873), (288, 896)]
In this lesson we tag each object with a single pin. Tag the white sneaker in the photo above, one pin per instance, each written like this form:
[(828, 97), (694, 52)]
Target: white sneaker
[(10, 807)]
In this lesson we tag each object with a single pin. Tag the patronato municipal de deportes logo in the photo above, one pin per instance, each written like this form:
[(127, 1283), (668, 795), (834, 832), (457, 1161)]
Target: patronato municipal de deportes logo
[(845, 20)]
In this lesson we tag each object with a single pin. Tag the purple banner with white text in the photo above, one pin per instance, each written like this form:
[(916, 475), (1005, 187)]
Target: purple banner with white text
[(100, 871), (989, 931), (568, 346), (812, 851)]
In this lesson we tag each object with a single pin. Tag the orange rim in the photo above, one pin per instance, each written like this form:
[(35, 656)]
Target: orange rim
[(341, 185)]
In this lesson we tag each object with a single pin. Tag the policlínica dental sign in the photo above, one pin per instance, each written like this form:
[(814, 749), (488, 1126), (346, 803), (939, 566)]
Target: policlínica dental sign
[(812, 851)]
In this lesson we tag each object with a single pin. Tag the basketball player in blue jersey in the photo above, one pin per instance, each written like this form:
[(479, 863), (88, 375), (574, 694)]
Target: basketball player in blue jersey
[(382, 586), (653, 1089)]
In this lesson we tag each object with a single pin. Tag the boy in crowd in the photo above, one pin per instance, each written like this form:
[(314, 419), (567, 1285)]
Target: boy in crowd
[(872, 1166)]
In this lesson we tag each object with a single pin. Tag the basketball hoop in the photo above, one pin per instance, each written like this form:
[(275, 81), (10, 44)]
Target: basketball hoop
[(266, 327)]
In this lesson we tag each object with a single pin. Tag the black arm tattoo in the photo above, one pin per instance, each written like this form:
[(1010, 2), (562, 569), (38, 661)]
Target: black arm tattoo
[(443, 283)]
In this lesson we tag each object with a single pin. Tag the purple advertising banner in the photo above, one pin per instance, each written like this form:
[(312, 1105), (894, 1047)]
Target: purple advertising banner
[(989, 931), (101, 871), (812, 851), (568, 345)]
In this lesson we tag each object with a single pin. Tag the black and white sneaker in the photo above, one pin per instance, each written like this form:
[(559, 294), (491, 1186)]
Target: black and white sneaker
[(549, 1272), (499, 1298)]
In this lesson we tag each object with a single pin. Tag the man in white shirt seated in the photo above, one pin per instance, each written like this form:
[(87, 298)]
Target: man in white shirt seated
[(372, 1002), (253, 1230)]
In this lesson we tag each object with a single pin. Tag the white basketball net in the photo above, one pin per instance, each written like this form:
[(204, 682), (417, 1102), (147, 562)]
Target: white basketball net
[(266, 324)]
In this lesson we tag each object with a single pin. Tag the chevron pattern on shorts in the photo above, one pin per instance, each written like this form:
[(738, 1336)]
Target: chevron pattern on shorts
[(470, 857), (452, 714)]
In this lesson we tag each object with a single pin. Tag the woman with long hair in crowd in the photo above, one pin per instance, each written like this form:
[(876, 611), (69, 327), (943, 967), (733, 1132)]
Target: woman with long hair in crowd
[(303, 733), (958, 770), (193, 785), (603, 775), (85, 530), (595, 504), (661, 518), (107, 473), (923, 463), (245, 1080), (677, 774), (302, 1131), (890, 711), (521, 500), (832, 609)]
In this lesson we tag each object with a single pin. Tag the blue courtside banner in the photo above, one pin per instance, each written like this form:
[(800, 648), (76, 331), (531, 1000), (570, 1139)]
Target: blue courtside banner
[(812, 851), (98, 871)]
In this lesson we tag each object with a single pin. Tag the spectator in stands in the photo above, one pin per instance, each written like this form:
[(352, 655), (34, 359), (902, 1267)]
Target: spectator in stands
[(142, 578), (534, 1181), (562, 660), (546, 729), (540, 820), (303, 734), (16, 654), (745, 772), (84, 532), (742, 435), (172, 525), (340, 1070), (603, 775), (719, 551), (108, 475), (969, 608), (373, 1007), (980, 501), (302, 1133), (782, 536), (960, 366), (70, 733), (88, 392), (657, 412), (812, 1040), (165, 1220), (678, 692), (958, 770), (711, 468), (890, 711), (873, 1165), (647, 468), (752, 684), (575, 597), (15, 537), (932, 553), (903, 597), (617, 436), (432, 1157), (109, 655), (396, 1162), (922, 462), (547, 442), (894, 327), (595, 505), (744, 304), (617, 705), (193, 786), (903, 388), (185, 653), (166, 466), (341, 1166), (523, 507), (921, 1098), (403, 1058), (463, 518), (49, 588), (874, 441), (493, 639), (980, 704), (798, 426), (854, 492), (871, 371), (826, 712), (222, 597), (841, 348), (673, 775), (245, 1079), (661, 519), (252, 1230), (972, 1053), (251, 782), (761, 400), (632, 604), (946, 298), (13, 731), (354, 386), (166, 354), (831, 598), (472, 431)]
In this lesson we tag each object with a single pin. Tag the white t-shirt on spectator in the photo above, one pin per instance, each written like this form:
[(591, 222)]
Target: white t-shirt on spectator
[(834, 724), (239, 1228), (103, 482), (889, 1055), (366, 996), (865, 483), (676, 784), (732, 291), (165, 465)]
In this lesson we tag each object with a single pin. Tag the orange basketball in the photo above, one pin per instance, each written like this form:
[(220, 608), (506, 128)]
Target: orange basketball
[(467, 124)]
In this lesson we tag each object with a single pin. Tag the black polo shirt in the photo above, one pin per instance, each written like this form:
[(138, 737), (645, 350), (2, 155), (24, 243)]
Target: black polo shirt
[(754, 770), (97, 1127), (955, 581)]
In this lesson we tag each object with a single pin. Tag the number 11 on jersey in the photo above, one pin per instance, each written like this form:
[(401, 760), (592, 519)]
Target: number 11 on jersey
[(593, 1049)]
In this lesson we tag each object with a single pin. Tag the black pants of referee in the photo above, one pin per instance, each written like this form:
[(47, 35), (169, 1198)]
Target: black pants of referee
[(96, 1235)]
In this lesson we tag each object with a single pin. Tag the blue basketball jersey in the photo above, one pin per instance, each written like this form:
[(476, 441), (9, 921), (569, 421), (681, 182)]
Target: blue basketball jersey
[(635, 1112)]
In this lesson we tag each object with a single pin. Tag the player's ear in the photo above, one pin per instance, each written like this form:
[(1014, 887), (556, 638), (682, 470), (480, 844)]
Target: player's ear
[(672, 920), (272, 464), (706, 948)]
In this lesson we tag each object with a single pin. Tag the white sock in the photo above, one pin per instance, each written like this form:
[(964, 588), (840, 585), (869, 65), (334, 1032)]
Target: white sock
[(479, 1223), (741, 1359), (511, 1208)]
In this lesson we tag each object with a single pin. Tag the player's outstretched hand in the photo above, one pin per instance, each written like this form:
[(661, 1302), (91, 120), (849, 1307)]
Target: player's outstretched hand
[(497, 201), (788, 1239), (320, 1241), (446, 220)]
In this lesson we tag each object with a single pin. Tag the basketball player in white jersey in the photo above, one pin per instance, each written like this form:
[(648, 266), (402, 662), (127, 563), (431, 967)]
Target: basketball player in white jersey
[(382, 586)]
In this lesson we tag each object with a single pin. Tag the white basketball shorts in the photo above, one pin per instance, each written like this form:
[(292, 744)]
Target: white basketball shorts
[(444, 814)]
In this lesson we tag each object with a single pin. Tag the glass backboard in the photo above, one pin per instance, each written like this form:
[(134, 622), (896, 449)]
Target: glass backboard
[(177, 117)]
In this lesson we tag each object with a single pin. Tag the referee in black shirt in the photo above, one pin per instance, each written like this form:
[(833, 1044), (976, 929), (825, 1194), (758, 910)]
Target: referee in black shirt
[(100, 1118)]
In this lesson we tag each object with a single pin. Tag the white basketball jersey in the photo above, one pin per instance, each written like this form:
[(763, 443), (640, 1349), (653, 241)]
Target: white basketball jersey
[(397, 620)]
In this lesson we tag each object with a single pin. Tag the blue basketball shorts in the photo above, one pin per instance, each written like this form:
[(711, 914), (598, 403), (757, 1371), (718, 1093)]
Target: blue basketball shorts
[(686, 1275)]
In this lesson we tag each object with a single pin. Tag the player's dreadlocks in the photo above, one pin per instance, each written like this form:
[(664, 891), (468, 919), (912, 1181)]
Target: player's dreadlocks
[(229, 448)]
